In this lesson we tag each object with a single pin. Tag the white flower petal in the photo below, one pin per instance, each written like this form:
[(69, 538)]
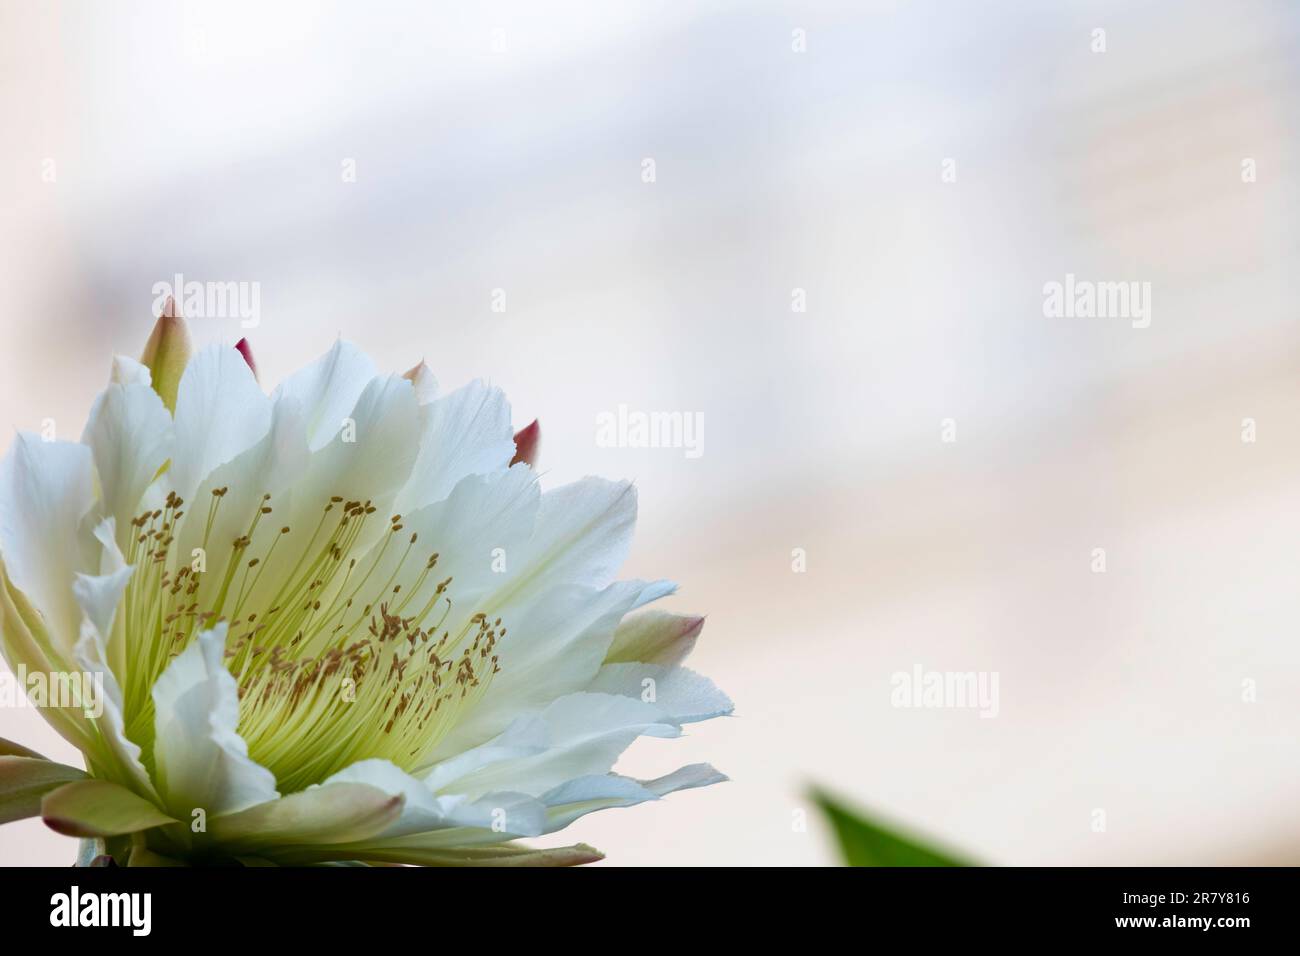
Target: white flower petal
[(682, 694), (584, 530), (271, 467), (332, 813), (524, 737), (514, 814), (581, 796), (220, 411), (421, 810), (127, 371), (372, 458), (368, 461), (559, 615), (327, 390), (653, 591), (110, 724), (556, 641), (99, 595), (466, 432), (485, 518), (130, 435), (586, 733), (338, 813), (45, 490), (201, 760)]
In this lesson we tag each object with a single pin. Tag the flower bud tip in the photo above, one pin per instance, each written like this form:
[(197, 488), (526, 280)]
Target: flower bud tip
[(528, 442), (246, 350), (167, 353)]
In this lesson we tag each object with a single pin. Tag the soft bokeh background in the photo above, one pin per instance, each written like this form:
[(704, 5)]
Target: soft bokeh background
[(500, 145)]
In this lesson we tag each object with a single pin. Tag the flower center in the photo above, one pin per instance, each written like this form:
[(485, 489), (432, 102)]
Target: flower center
[(341, 650)]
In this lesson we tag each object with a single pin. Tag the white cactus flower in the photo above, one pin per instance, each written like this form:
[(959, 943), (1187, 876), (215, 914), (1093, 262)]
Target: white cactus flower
[(332, 624)]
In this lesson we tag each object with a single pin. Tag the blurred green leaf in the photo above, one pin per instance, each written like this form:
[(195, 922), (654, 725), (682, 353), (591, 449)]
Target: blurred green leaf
[(866, 843)]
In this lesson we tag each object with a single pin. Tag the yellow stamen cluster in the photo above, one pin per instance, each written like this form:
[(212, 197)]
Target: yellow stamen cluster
[(332, 667)]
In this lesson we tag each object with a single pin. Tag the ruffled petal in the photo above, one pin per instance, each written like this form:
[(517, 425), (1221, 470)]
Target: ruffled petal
[(99, 597), (202, 762)]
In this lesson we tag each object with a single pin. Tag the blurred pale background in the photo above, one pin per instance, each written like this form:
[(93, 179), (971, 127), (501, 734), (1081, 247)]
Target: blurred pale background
[(500, 145)]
